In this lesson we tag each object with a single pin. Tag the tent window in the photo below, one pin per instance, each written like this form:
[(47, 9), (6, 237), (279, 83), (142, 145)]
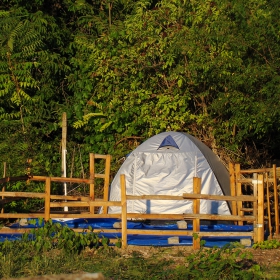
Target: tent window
[(168, 142)]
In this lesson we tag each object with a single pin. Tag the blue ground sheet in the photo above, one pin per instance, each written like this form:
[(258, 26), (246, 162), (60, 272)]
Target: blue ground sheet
[(144, 240)]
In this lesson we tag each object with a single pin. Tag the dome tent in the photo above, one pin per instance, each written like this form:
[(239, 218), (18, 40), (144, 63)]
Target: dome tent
[(165, 164)]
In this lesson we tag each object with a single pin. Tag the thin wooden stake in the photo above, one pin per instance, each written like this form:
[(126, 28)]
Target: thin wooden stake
[(255, 207), (107, 181), (239, 193), (276, 201), (260, 225), (196, 210), (124, 211), (47, 198), (63, 153), (3, 188), (91, 186), (233, 188), (268, 206)]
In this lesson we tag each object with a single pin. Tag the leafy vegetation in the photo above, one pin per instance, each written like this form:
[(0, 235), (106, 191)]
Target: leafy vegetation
[(55, 249), (126, 70), (267, 244)]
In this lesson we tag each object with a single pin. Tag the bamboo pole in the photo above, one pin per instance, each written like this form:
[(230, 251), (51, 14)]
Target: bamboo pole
[(196, 210), (91, 186), (232, 188), (239, 193), (63, 152), (124, 211), (268, 206), (255, 207), (276, 201), (260, 225), (3, 188), (107, 181), (47, 198), (61, 179)]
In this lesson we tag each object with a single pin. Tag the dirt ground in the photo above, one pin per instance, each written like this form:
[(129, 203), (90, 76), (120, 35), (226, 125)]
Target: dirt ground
[(262, 257)]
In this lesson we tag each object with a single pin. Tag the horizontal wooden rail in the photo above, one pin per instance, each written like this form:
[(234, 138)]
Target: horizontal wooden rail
[(193, 196), (220, 197), (139, 216), (85, 203), (23, 194), (62, 179), (83, 215)]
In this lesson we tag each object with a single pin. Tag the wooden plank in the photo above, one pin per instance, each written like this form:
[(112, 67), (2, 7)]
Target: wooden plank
[(107, 181), (260, 170), (251, 181), (91, 186), (255, 207), (276, 201), (142, 232), (189, 216), (124, 211), (24, 194), (3, 188), (85, 203), (71, 197), (47, 199), (247, 209), (60, 179), (239, 193), (196, 210), (232, 188), (56, 215), (268, 206), (193, 196), (240, 198), (260, 224), (98, 156)]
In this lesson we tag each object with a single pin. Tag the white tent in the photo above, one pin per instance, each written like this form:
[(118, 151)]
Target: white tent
[(165, 164)]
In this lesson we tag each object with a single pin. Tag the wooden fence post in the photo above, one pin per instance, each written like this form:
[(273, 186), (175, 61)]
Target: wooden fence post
[(239, 193), (107, 182), (47, 198), (196, 210), (255, 206), (268, 206), (3, 188), (124, 211), (233, 188), (276, 205), (260, 225), (91, 176)]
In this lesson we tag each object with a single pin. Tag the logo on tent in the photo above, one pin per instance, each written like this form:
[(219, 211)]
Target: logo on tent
[(168, 141)]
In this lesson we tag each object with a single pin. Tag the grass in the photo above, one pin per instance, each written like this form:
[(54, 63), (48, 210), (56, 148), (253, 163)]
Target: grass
[(58, 250), (116, 264)]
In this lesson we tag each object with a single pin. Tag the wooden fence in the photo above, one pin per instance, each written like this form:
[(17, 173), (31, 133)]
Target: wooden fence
[(246, 181), (256, 217)]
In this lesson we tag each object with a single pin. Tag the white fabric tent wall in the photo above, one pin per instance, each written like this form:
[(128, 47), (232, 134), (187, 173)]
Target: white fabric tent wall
[(167, 171)]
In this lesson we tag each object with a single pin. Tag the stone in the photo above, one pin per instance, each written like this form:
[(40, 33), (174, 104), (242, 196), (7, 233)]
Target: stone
[(247, 242), (182, 224), (173, 240)]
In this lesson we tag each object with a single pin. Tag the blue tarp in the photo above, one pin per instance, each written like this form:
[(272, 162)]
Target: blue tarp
[(143, 240)]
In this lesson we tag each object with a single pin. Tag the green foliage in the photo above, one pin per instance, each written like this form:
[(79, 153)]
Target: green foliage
[(18, 259), (188, 66), (54, 235), (220, 263), (267, 244), (126, 70)]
